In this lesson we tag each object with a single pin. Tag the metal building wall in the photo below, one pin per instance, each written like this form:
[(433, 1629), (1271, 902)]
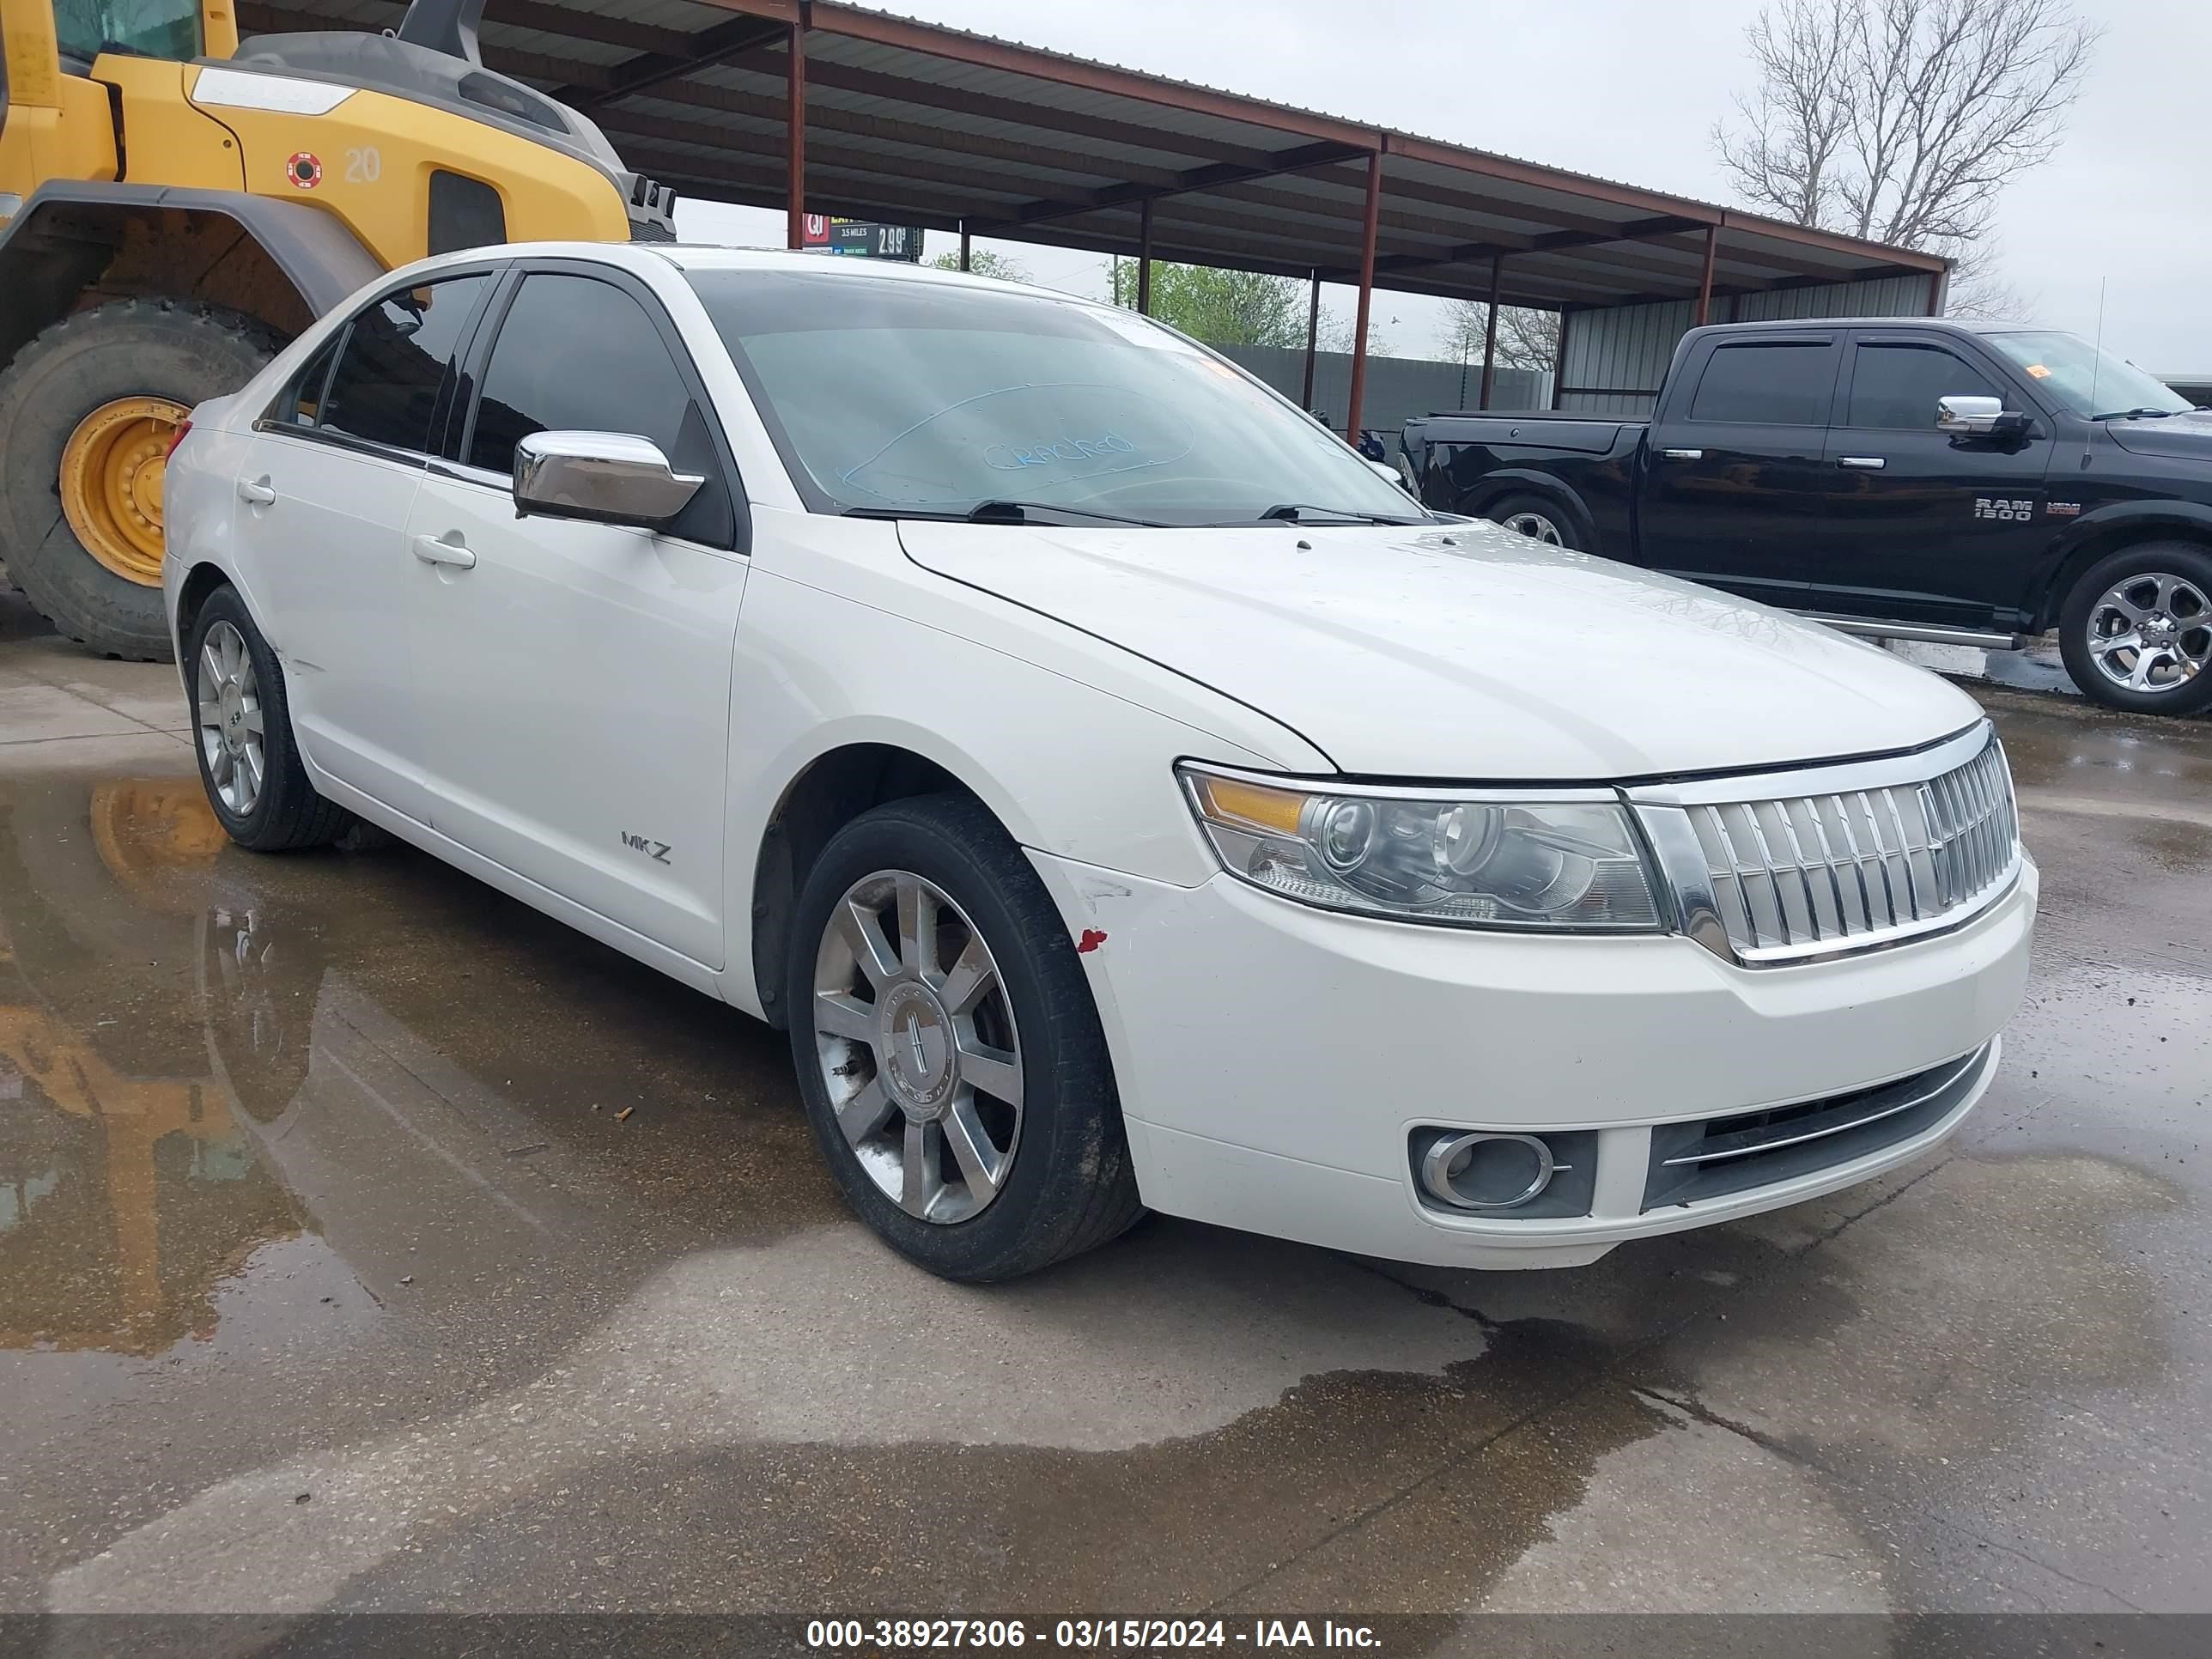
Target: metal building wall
[(1616, 357)]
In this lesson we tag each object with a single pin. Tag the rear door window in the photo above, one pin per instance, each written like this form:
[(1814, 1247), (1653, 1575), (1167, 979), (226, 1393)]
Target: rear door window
[(300, 402), (1781, 383), (1901, 385), (396, 360)]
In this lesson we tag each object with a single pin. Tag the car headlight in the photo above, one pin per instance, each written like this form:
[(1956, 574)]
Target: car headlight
[(1480, 859)]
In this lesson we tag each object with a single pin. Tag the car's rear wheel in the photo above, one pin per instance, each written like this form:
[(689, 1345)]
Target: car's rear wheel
[(242, 734), (2137, 630), (1534, 516), (949, 1052)]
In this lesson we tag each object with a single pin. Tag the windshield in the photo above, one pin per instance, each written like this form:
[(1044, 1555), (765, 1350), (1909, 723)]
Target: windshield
[(146, 28), (895, 395), (2084, 378)]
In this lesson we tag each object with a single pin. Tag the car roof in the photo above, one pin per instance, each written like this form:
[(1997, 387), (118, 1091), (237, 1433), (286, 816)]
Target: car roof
[(712, 256)]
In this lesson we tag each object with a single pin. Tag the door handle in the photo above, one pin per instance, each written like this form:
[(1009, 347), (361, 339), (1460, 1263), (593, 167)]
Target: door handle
[(257, 492), (1681, 454), (1862, 463), (436, 549)]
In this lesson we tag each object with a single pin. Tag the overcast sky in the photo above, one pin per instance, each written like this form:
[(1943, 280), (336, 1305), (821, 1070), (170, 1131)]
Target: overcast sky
[(1629, 90)]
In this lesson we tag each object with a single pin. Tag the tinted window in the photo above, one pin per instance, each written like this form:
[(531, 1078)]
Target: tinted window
[(300, 402), (576, 354), (1899, 384), (145, 29), (463, 213), (1774, 385), (395, 359)]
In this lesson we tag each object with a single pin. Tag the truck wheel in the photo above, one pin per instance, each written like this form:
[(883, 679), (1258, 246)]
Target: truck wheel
[(2137, 630), (1534, 516), (949, 1053), (88, 411)]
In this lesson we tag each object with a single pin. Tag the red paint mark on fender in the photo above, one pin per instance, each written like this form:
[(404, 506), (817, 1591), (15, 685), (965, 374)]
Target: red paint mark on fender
[(1091, 940)]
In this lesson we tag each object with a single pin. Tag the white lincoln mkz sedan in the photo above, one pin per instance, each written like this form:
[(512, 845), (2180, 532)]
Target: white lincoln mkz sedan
[(1123, 796)]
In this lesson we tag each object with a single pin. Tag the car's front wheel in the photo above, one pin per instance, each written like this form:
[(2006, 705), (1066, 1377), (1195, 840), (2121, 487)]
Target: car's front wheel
[(949, 1052), (242, 734), (2137, 630)]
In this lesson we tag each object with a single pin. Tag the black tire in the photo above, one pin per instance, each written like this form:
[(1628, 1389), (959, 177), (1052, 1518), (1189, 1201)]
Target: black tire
[(2079, 619), (288, 813), (1070, 1186), (179, 350), (1533, 509)]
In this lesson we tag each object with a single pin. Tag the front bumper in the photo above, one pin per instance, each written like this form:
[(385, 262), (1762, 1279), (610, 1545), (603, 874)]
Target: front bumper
[(1275, 1060)]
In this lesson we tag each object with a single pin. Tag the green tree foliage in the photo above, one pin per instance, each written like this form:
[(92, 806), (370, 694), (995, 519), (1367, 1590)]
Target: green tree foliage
[(1221, 308), (984, 262)]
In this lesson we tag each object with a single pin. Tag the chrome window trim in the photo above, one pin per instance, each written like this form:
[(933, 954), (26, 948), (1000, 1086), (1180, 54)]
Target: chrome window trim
[(329, 437), (462, 472)]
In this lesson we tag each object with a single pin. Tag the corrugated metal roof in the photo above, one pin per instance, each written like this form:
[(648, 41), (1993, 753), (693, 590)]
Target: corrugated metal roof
[(941, 127)]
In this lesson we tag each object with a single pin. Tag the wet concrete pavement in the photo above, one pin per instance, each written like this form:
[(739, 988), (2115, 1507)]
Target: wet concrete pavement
[(332, 1276)]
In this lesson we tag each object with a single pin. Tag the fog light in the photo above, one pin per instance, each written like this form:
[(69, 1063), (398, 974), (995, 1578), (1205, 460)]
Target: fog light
[(1488, 1171)]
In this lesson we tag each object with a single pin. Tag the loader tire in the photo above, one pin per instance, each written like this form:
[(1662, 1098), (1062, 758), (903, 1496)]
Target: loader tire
[(85, 409)]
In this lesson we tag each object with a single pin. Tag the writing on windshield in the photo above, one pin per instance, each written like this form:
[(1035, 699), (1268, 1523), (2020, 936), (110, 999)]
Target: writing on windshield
[(1013, 458)]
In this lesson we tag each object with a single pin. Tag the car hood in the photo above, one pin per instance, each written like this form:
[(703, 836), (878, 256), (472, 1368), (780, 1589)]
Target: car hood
[(2185, 437), (1462, 651)]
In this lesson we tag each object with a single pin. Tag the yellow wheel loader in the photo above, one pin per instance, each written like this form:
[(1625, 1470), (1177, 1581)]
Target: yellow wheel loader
[(175, 203)]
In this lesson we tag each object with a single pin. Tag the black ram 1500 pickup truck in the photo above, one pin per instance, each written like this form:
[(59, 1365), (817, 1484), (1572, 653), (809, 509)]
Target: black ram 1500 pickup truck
[(1976, 483)]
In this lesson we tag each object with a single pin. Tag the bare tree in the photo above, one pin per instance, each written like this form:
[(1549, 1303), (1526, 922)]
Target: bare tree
[(1903, 120), (1526, 339)]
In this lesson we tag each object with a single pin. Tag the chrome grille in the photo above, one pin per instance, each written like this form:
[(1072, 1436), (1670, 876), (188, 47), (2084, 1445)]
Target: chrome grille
[(1842, 858)]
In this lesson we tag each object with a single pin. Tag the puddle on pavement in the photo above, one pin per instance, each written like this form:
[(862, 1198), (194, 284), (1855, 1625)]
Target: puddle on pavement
[(205, 1054), (751, 1432), (394, 1071), (2101, 752), (1221, 1522)]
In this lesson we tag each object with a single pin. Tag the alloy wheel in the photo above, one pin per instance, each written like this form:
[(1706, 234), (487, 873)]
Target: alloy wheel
[(1534, 525), (918, 1047), (228, 700), (2151, 633)]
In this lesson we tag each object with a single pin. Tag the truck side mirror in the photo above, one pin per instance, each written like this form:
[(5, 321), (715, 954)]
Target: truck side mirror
[(1978, 418)]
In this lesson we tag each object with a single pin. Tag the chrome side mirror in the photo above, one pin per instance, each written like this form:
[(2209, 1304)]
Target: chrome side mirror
[(606, 477), (1968, 416)]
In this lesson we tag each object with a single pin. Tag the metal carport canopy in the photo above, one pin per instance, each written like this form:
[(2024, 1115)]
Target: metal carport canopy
[(920, 125)]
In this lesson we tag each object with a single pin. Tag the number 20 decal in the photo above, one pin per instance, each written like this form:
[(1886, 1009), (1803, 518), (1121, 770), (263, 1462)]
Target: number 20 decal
[(363, 165)]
